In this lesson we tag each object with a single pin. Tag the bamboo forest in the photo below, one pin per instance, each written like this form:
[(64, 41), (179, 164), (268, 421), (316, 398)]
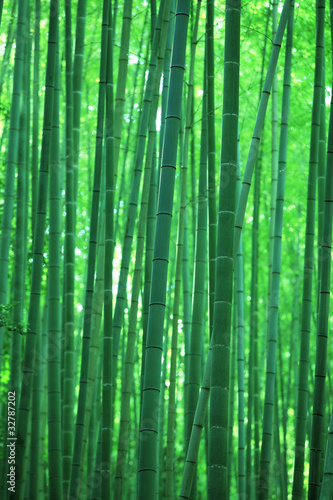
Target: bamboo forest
[(166, 208)]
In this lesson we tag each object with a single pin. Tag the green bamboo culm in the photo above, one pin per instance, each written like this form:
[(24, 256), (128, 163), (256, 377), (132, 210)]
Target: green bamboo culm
[(265, 456), (198, 424), (38, 251), (123, 442), (149, 251), (218, 424), (212, 204), (121, 182), (151, 388), (254, 423), (54, 316), (95, 357), (321, 168), (326, 492), (303, 373), (258, 127), (92, 250), (239, 306), (318, 412), (179, 262), (107, 410), (154, 76), (20, 254), (232, 391), (5, 63), (69, 266), (254, 366), (77, 86), (122, 79), (11, 160), (21, 226), (38, 427), (35, 114), (199, 278), (95, 362)]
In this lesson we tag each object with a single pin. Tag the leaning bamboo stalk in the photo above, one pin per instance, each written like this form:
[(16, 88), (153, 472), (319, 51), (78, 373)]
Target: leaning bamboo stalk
[(265, 456), (198, 423), (256, 137), (154, 75), (151, 389), (179, 262), (136, 288)]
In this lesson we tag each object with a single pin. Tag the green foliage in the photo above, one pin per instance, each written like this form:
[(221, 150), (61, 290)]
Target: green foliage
[(21, 327)]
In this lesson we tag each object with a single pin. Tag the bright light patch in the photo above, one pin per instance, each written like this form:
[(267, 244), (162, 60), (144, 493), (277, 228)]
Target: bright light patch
[(133, 59), (158, 120)]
